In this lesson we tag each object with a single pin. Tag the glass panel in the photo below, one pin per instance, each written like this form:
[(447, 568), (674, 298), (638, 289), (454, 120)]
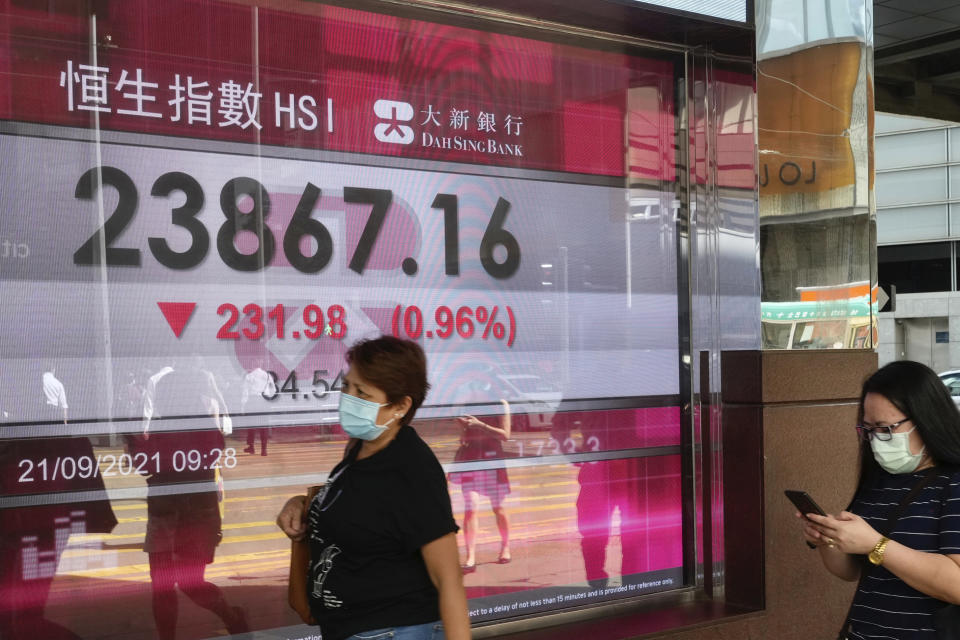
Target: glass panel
[(891, 122), (910, 149), (914, 186), (815, 137), (776, 336), (912, 223), (954, 182), (915, 268), (955, 144), (796, 25), (820, 335), (955, 219), (200, 228), (726, 9)]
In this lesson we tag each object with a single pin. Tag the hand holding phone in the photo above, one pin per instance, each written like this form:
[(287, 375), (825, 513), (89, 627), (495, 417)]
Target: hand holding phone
[(804, 503)]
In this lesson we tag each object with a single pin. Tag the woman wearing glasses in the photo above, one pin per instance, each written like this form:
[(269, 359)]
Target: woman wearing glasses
[(384, 561), (910, 436)]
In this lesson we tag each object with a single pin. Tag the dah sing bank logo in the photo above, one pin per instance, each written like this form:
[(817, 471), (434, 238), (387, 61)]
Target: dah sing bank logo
[(454, 129), (394, 113)]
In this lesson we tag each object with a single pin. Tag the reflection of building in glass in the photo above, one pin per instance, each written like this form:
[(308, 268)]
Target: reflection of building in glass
[(841, 317), (815, 176)]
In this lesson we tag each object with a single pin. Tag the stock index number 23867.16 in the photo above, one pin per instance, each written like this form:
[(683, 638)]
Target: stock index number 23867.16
[(99, 248)]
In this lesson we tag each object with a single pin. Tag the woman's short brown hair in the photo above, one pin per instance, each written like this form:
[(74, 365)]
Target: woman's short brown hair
[(395, 366)]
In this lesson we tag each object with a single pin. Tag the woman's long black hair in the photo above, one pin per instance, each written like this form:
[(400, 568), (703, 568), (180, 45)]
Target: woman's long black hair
[(915, 390)]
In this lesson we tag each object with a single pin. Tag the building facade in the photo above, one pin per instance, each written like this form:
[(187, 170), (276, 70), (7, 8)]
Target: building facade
[(918, 213)]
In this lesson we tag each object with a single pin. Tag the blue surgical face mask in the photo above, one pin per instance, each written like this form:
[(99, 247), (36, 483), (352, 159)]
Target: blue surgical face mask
[(358, 417)]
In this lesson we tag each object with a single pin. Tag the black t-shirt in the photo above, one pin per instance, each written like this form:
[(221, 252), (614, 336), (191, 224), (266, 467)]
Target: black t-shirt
[(366, 528)]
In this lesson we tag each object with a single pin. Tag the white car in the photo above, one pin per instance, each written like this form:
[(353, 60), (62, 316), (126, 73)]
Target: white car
[(952, 380)]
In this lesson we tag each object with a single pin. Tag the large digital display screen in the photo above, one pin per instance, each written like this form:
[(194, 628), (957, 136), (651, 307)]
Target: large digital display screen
[(195, 225), (279, 264)]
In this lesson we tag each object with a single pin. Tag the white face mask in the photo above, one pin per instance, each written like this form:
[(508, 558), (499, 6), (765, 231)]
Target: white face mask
[(894, 455)]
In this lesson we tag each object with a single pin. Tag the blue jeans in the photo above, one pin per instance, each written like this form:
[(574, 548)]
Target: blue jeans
[(428, 631)]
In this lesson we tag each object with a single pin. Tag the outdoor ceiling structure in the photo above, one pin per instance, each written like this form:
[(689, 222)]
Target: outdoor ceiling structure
[(917, 57)]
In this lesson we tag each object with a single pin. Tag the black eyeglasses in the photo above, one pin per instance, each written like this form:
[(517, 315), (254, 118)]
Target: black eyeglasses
[(880, 432)]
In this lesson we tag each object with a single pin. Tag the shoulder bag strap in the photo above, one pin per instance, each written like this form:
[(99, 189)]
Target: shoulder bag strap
[(299, 568), (927, 478), (887, 527)]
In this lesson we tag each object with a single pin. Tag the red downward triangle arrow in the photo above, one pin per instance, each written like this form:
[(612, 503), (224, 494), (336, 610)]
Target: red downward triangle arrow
[(177, 314)]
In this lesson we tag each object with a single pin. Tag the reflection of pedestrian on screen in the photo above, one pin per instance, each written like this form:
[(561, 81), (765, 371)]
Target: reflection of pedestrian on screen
[(129, 396), (483, 440), (55, 395), (210, 400), (149, 394), (607, 487), (34, 536), (212, 396), (257, 384), (184, 526), (3, 412)]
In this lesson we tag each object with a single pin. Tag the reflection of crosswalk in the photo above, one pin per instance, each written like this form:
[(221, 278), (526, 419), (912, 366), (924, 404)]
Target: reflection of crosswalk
[(256, 549), (541, 508)]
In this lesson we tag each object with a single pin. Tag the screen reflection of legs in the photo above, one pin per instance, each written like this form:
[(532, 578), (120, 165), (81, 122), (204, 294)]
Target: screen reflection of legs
[(482, 439), (594, 510), (182, 533), (470, 528), (252, 438), (605, 487), (490, 484), (167, 571), (183, 523)]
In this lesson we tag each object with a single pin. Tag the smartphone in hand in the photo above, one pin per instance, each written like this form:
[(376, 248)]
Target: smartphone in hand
[(804, 503)]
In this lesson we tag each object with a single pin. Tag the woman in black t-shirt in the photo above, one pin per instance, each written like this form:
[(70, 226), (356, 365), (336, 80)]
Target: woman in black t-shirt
[(383, 547), (910, 437)]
